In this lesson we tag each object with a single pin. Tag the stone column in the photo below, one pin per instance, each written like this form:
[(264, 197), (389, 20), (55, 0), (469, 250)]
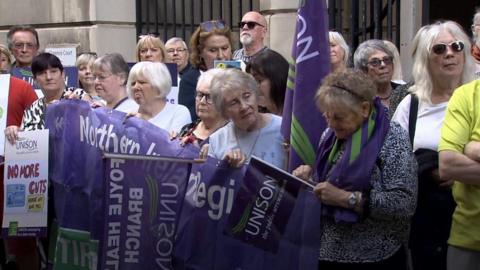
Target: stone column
[(101, 26), (281, 16)]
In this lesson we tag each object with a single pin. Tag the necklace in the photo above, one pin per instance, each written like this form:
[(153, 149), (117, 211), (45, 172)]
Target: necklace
[(253, 145)]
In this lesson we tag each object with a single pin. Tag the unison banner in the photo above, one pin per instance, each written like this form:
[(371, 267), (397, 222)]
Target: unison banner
[(78, 137), (219, 209), (142, 205)]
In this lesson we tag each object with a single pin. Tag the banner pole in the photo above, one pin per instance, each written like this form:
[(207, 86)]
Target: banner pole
[(151, 158)]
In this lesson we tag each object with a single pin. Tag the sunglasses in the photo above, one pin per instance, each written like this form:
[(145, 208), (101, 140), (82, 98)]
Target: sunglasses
[(250, 24), (153, 35), (209, 26), (441, 48), (375, 62)]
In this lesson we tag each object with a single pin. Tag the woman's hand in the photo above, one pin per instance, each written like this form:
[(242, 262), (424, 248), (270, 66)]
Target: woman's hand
[(203, 152), (235, 158), (331, 195), (11, 133), (172, 135), (303, 172)]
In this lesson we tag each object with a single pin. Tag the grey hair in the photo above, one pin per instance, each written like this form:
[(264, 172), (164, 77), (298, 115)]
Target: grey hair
[(207, 77), (155, 73), (113, 63), (229, 80), (423, 42), (397, 66), (367, 48), (175, 40), (338, 38), (476, 19)]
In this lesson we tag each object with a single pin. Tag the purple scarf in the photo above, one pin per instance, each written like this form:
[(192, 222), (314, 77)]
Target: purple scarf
[(353, 170)]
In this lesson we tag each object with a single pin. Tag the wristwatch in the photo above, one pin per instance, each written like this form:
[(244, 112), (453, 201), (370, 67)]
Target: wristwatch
[(352, 200)]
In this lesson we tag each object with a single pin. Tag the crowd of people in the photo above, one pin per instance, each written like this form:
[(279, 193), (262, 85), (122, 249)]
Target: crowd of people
[(397, 169)]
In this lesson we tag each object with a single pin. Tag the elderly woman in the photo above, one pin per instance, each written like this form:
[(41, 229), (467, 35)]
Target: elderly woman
[(397, 76), (367, 196), (86, 80), (235, 96), (111, 73), (375, 59), (339, 51), (151, 48), (148, 84), (476, 42), (211, 41), (442, 63), (5, 59), (270, 70), (209, 119)]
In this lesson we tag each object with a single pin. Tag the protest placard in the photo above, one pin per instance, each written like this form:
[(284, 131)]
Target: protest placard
[(26, 185)]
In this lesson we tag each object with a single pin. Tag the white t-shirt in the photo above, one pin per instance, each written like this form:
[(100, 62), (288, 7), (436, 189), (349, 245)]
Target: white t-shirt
[(429, 122), (127, 106), (172, 117), (265, 143)]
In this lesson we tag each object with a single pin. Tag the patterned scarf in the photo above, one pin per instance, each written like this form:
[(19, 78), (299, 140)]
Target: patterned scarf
[(352, 170)]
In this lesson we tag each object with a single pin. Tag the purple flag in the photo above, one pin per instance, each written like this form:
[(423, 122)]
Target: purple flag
[(302, 123), (78, 136), (287, 237)]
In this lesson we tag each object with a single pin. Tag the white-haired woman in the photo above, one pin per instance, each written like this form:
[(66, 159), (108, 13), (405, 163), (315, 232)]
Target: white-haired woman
[(234, 94), (441, 63), (476, 42), (339, 52), (375, 59), (148, 84), (209, 119)]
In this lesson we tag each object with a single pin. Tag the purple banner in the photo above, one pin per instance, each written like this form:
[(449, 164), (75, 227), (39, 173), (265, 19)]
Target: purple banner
[(78, 137), (302, 123), (71, 76), (211, 199), (142, 205), (262, 206)]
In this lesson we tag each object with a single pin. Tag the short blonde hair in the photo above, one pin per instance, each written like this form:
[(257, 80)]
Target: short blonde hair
[(338, 38), (4, 50), (152, 41)]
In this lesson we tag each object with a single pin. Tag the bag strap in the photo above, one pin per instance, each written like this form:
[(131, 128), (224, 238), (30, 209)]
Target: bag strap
[(412, 118)]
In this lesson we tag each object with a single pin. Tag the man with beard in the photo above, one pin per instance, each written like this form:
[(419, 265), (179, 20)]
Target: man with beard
[(253, 29)]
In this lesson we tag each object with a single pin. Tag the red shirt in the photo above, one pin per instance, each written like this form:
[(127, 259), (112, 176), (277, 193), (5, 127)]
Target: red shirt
[(21, 95)]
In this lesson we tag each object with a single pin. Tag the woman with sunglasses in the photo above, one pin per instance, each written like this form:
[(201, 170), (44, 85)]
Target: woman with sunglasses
[(441, 63), (375, 59), (212, 40)]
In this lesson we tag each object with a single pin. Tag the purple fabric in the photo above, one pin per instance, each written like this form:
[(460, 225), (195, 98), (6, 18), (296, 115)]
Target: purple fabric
[(356, 175), (311, 53)]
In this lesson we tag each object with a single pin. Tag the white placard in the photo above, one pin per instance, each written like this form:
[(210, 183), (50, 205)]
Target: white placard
[(25, 201), (68, 55)]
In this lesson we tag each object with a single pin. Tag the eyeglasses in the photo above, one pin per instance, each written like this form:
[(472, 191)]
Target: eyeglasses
[(101, 78), (199, 96), (179, 50), (27, 45), (88, 53), (250, 24), (375, 62), (208, 26), (441, 48)]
